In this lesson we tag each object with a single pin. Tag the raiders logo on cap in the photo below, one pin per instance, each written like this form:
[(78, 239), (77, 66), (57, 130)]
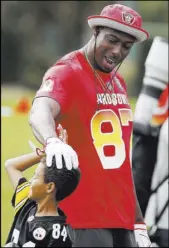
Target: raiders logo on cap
[(128, 18)]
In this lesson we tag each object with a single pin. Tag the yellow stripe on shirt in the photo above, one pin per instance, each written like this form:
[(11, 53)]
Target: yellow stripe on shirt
[(20, 205), (21, 185), (21, 196)]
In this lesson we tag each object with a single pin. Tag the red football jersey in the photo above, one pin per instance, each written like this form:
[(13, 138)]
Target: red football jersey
[(99, 127)]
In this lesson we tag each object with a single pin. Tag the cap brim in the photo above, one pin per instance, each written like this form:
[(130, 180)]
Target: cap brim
[(140, 34)]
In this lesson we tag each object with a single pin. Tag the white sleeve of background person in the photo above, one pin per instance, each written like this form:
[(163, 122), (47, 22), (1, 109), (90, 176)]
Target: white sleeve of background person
[(158, 200), (156, 77)]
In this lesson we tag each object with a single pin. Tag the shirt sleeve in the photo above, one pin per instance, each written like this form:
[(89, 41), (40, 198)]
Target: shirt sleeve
[(21, 194), (58, 84)]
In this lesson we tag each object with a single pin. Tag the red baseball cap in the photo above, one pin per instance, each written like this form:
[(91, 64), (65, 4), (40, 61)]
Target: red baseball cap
[(121, 18)]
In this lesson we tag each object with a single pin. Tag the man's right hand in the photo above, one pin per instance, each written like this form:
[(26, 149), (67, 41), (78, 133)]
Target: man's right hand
[(56, 148)]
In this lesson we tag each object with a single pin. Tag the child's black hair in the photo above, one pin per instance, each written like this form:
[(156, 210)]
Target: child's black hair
[(65, 180)]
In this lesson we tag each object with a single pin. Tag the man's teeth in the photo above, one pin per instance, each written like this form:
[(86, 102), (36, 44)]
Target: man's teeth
[(111, 61)]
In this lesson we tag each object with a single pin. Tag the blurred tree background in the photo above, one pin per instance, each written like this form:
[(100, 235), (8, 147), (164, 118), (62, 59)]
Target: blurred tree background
[(34, 34)]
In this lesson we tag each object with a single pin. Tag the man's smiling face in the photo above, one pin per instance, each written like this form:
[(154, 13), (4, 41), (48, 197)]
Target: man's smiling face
[(112, 47)]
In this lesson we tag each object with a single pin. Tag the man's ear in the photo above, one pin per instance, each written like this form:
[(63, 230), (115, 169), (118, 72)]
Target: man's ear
[(50, 187), (96, 31)]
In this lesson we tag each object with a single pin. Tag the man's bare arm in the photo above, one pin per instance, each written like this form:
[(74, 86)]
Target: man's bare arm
[(42, 118)]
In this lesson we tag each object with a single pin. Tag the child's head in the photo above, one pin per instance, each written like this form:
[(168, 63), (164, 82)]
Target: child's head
[(50, 180)]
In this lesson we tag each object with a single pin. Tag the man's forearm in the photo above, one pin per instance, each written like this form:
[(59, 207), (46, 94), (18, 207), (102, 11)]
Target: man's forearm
[(42, 123)]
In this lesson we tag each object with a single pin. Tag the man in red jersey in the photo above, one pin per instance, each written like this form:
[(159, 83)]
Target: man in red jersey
[(84, 92)]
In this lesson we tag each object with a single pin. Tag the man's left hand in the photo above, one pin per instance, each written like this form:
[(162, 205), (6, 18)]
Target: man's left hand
[(141, 235)]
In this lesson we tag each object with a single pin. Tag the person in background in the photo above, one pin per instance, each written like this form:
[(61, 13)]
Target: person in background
[(150, 143)]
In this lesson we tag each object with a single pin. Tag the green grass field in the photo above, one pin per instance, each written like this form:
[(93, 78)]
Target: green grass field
[(15, 132)]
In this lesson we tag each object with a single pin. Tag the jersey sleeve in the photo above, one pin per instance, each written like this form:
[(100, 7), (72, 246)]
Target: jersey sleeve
[(21, 194), (57, 84)]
